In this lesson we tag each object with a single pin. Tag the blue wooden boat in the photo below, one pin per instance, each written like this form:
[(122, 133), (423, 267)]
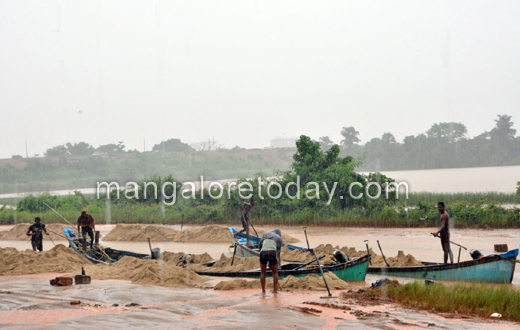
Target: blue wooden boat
[(496, 268), (98, 254), (251, 251)]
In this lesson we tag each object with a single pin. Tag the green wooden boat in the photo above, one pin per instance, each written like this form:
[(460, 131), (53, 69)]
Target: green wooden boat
[(498, 268), (353, 270)]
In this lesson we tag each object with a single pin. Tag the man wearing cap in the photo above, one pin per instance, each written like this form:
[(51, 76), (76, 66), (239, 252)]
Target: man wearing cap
[(86, 222), (245, 220), (36, 231)]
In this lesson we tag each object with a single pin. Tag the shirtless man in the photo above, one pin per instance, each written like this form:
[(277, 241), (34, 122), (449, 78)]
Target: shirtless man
[(444, 233), (245, 219)]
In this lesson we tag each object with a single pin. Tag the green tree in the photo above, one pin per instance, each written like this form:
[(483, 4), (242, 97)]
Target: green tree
[(503, 130), (112, 149), (57, 151), (388, 138), (79, 149), (350, 136), (325, 142), (452, 132)]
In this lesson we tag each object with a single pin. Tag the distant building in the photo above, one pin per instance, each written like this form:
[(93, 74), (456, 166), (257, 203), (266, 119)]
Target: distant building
[(283, 142)]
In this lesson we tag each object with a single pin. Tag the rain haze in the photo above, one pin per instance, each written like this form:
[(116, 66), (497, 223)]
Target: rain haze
[(229, 164), (243, 73)]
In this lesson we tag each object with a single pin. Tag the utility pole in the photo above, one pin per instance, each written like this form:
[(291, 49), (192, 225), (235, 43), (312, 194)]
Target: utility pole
[(144, 145), (26, 152)]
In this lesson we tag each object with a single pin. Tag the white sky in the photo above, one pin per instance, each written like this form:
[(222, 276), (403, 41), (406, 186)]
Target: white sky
[(243, 72)]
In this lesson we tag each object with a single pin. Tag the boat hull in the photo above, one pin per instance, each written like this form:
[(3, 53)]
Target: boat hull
[(96, 256), (490, 269), (354, 270)]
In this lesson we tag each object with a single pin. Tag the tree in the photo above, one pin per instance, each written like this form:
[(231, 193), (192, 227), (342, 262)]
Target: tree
[(172, 145), (452, 132), (209, 145), (503, 130), (388, 138), (58, 151), (349, 136), (112, 148), (325, 142), (79, 149)]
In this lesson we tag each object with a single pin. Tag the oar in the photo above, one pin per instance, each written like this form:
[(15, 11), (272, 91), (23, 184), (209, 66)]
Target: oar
[(51, 239), (251, 223), (450, 241), (150, 245), (368, 252), (308, 263), (318, 261), (60, 216), (382, 253), (234, 252)]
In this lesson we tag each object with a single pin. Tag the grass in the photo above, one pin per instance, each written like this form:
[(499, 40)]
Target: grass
[(475, 299)]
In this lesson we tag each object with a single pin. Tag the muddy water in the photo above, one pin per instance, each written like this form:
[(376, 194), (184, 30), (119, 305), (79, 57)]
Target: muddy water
[(449, 180), (456, 180)]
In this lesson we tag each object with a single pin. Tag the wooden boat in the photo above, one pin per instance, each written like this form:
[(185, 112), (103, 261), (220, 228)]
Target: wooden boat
[(251, 251), (353, 270), (98, 254), (496, 268)]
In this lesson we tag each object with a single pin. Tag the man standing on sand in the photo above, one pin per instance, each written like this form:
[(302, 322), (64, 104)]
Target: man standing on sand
[(270, 248), (37, 230), (86, 222), (444, 233), (245, 220)]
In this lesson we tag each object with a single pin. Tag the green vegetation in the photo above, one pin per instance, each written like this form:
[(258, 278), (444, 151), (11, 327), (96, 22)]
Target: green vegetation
[(475, 299), (310, 164), (80, 165), (46, 174), (444, 145)]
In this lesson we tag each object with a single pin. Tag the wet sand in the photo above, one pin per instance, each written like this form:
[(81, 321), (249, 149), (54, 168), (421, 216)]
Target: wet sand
[(415, 241), (28, 302)]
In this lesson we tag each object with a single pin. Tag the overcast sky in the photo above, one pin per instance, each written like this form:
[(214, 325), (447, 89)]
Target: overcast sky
[(244, 72)]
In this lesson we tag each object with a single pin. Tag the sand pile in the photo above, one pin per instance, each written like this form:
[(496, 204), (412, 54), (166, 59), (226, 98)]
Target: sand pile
[(176, 257), (285, 238), (161, 233), (310, 282), (223, 265), (60, 259), (17, 233), (402, 260), (152, 272), (139, 232), (377, 260)]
